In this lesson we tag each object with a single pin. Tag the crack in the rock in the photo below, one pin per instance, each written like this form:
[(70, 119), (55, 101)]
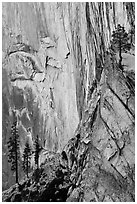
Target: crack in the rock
[(126, 107), (21, 79), (113, 138)]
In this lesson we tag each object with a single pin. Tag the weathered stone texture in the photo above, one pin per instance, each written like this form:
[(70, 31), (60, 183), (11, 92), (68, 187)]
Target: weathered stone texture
[(59, 79)]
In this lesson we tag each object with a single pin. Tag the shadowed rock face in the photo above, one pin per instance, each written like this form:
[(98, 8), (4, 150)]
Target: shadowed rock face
[(61, 83)]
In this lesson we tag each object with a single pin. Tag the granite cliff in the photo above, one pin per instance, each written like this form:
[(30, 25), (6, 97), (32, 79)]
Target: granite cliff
[(62, 82)]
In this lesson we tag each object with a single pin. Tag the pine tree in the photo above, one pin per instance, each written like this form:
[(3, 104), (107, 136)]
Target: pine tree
[(37, 149), (13, 149), (26, 158), (120, 42)]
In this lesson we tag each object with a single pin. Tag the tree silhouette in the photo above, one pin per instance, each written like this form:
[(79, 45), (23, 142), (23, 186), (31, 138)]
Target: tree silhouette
[(13, 149), (36, 151), (120, 42), (132, 35), (26, 158)]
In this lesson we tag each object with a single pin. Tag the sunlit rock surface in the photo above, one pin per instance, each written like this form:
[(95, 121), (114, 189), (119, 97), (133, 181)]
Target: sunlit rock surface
[(62, 83)]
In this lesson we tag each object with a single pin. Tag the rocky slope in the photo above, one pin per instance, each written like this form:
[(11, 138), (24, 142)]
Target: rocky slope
[(62, 82)]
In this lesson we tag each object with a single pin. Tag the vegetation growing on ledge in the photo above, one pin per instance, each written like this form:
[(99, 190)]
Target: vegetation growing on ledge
[(120, 42)]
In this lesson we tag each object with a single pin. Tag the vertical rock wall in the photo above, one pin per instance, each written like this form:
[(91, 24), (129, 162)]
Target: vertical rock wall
[(53, 54)]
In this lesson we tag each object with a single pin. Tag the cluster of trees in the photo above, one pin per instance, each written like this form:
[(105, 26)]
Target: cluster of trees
[(14, 152)]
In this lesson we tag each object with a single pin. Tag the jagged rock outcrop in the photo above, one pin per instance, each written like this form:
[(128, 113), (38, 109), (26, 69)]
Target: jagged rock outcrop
[(63, 83)]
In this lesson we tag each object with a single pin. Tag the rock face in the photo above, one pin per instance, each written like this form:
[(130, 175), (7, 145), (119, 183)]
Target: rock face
[(61, 81)]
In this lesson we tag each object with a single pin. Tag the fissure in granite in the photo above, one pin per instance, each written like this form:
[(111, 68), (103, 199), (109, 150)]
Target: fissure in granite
[(62, 82)]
